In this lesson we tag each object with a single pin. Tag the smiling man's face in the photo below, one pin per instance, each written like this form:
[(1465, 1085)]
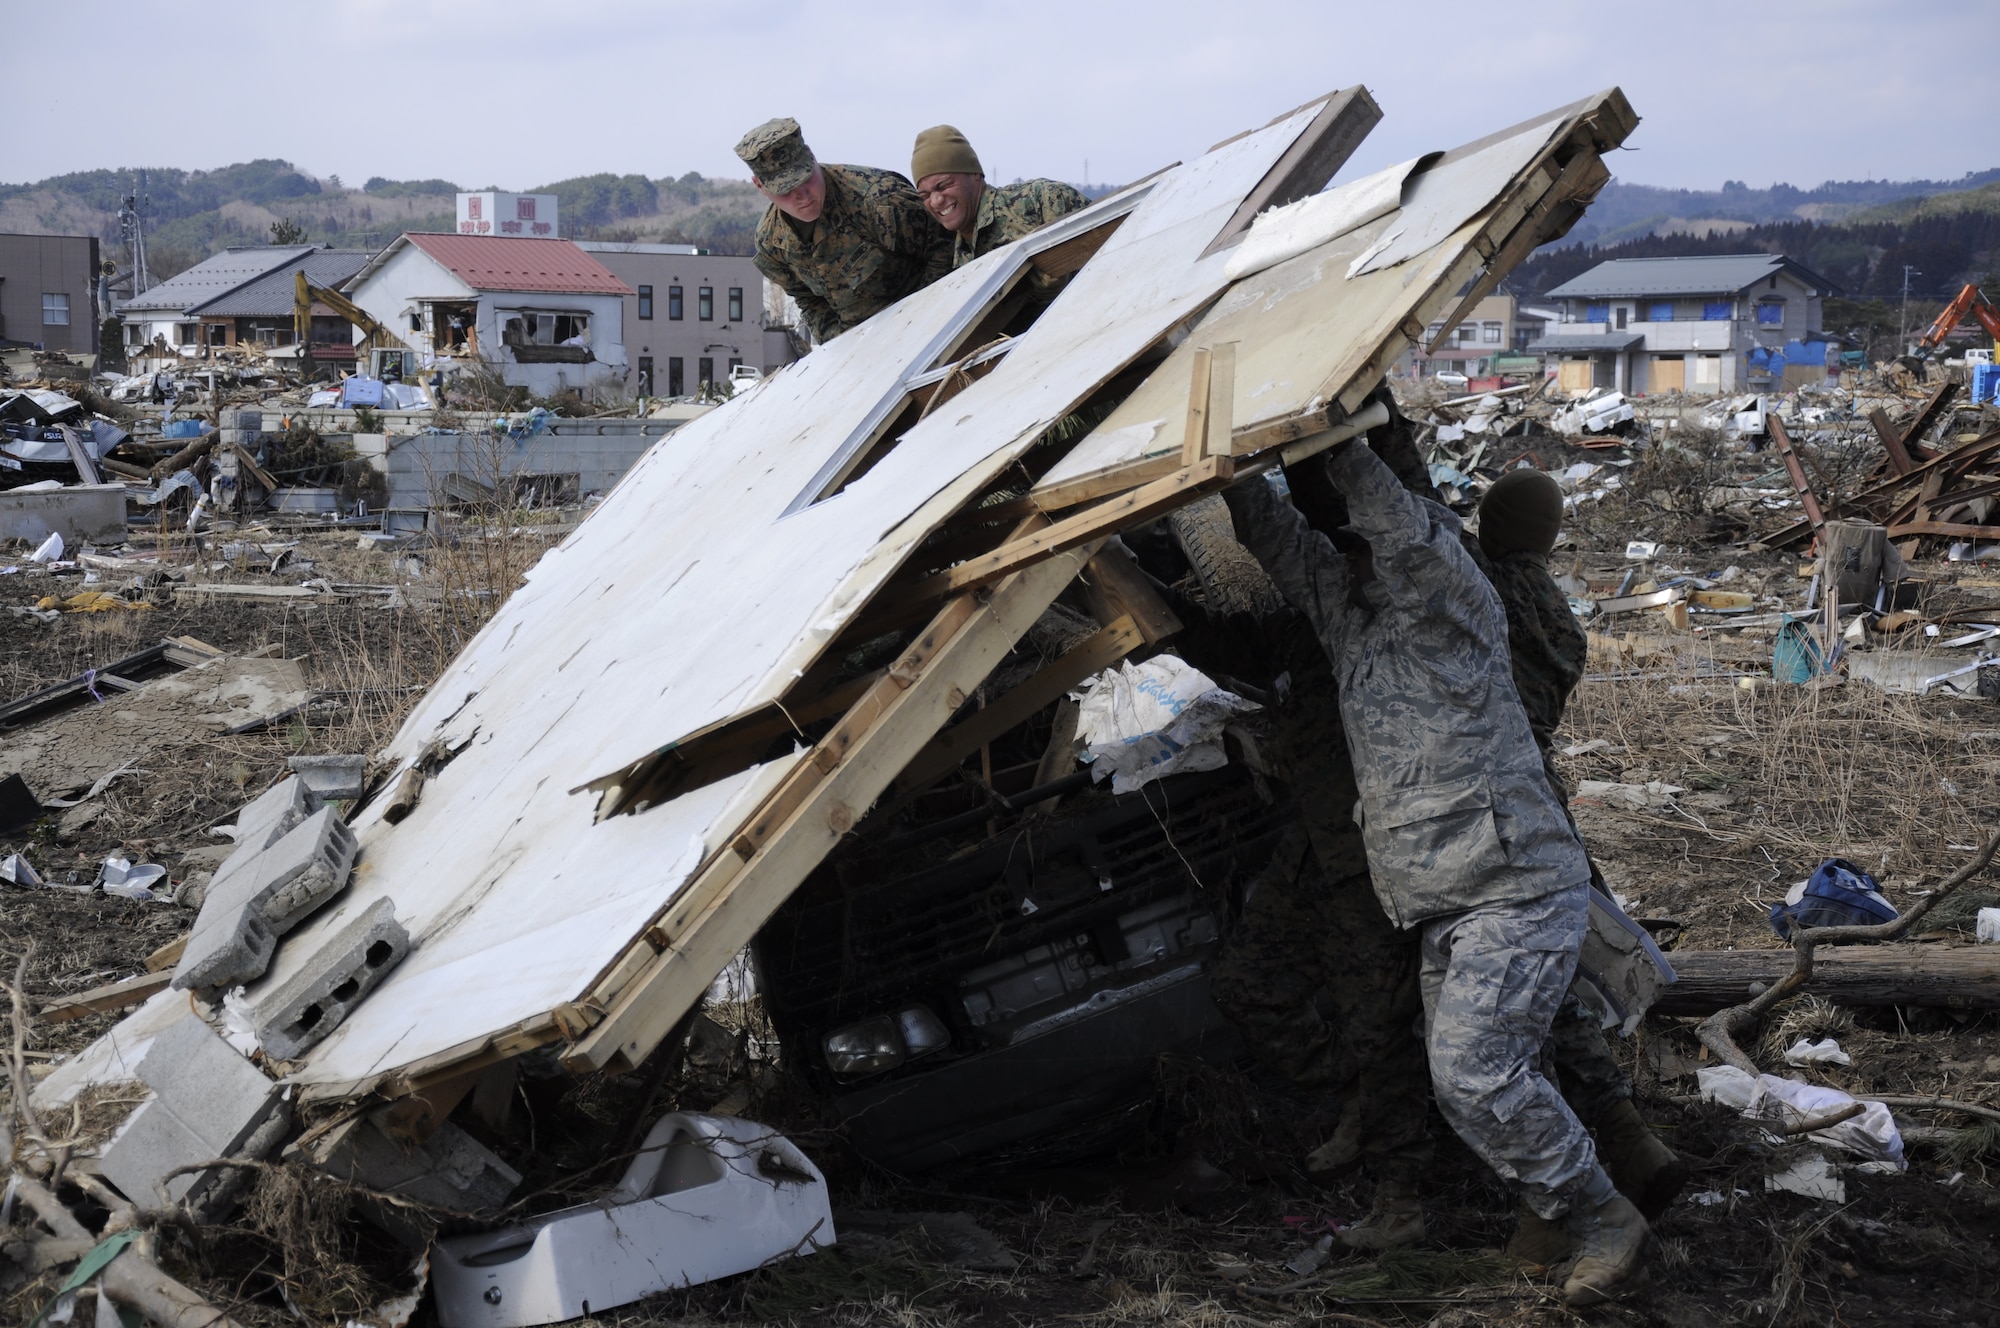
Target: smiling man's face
[(953, 198)]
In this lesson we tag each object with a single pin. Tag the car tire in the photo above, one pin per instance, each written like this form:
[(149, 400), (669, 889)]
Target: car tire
[(1231, 580)]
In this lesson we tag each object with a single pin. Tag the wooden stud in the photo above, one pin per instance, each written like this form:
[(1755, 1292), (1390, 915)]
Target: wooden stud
[(1131, 509), (1194, 440), (1117, 587), (1221, 399)]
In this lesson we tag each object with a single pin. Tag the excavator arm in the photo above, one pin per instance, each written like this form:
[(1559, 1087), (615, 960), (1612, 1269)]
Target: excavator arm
[(1970, 300), (305, 295)]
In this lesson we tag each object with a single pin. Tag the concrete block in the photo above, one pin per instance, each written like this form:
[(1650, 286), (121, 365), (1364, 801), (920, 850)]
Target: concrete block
[(80, 513), (208, 1102), (248, 907), (331, 778), (311, 1003), (273, 813)]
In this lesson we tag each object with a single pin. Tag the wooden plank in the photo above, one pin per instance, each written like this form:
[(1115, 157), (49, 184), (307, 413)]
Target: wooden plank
[(1119, 477), (1094, 654), (1118, 587), (1936, 406), (1131, 509), (1892, 442), (1807, 498), (1956, 529), (699, 941), (257, 472), (1316, 157), (1221, 399), (113, 996), (1201, 382), (167, 955), (1958, 459), (1059, 260), (1574, 188)]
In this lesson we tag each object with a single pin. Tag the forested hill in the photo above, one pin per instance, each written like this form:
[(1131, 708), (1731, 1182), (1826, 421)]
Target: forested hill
[(192, 214)]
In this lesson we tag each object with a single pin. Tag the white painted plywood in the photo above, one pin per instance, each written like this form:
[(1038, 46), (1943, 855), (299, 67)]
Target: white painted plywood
[(688, 597)]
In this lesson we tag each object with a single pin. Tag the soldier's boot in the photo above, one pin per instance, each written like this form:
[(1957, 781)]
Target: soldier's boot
[(1540, 1240), (1341, 1154), (1645, 1170), (1612, 1241), (1396, 1220)]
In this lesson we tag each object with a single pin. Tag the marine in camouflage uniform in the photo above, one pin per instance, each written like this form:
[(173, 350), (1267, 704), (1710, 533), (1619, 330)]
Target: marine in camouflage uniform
[(1002, 213), (870, 244), (1465, 839)]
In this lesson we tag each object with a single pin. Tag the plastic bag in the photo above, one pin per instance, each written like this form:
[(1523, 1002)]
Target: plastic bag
[(1144, 721), (1872, 1134)]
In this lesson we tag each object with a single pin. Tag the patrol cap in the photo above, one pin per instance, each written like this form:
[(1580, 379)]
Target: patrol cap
[(942, 148), (1523, 510), (777, 155)]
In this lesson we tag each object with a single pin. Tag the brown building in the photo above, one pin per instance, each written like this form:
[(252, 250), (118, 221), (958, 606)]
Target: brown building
[(48, 287)]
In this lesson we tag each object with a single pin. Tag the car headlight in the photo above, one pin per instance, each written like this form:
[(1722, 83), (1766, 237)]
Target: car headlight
[(923, 1032), (869, 1047), (886, 1041)]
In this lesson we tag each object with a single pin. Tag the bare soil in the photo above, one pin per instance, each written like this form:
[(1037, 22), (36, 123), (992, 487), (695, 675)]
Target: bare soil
[(1192, 1222)]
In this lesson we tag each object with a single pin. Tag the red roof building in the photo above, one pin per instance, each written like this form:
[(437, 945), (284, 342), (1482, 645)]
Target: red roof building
[(509, 263)]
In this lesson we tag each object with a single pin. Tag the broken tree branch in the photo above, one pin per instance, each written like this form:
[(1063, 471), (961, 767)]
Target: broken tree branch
[(1827, 1121), (1718, 1031), (1938, 1104)]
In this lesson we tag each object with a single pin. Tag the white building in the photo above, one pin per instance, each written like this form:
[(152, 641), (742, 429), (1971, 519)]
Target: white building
[(161, 311), (544, 313)]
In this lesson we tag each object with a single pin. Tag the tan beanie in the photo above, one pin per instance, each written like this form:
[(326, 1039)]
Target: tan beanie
[(1522, 511), (942, 148)]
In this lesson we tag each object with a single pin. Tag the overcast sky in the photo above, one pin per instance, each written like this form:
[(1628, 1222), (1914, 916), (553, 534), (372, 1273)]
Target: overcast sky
[(516, 93)]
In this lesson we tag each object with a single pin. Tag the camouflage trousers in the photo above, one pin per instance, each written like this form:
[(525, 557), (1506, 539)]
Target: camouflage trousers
[(1492, 980), (1301, 934)]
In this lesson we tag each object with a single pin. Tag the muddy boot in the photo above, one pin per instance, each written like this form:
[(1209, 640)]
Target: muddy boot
[(1396, 1220), (1341, 1154), (1612, 1240), (1545, 1241), (1645, 1170)]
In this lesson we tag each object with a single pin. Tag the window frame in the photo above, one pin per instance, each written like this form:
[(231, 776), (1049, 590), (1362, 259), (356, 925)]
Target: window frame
[(55, 302), (676, 376), (1770, 306), (704, 371), (676, 304), (704, 304), (645, 304), (735, 305)]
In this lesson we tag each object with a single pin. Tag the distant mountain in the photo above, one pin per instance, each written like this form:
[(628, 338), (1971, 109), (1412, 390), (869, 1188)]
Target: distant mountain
[(1626, 211), (193, 214)]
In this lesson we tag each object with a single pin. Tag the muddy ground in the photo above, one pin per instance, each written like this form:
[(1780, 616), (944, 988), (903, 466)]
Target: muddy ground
[(1193, 1221)]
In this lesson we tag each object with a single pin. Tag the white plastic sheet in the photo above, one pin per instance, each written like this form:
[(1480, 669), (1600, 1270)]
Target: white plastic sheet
[(1144, 721), (1872, 1135)]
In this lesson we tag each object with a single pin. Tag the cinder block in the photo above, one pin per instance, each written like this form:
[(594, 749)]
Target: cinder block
[(313, 1001), (331, 778), (247, 909), (272, 815), (208, 1102)]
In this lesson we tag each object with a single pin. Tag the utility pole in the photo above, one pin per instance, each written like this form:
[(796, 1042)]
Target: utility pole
[(1903, 315), (131, 219)]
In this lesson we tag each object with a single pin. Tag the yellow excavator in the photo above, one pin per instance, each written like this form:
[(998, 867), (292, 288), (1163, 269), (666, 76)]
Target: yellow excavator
[(306, 295)]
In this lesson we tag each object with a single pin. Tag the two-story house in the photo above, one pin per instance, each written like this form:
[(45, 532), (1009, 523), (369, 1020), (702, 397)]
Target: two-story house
[(1723, 323), (543, 313), (48, 291)]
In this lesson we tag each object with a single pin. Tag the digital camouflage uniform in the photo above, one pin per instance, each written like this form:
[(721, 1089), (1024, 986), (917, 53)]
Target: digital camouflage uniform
[(872, 244), (1466, 841), (1008, 212), (1549, 650)]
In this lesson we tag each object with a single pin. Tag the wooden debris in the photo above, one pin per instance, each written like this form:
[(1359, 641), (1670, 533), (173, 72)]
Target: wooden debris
[(120, 995)]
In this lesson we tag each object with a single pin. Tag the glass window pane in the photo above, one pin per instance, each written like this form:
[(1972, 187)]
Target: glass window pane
[(645, 301), (674, 303), (705, 304), (735, 304)]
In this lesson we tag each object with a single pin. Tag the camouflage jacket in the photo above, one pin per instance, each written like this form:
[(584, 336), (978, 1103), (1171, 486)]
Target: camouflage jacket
[(1454, 805), (872, 245), (1549, 646), (1008, 212)]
